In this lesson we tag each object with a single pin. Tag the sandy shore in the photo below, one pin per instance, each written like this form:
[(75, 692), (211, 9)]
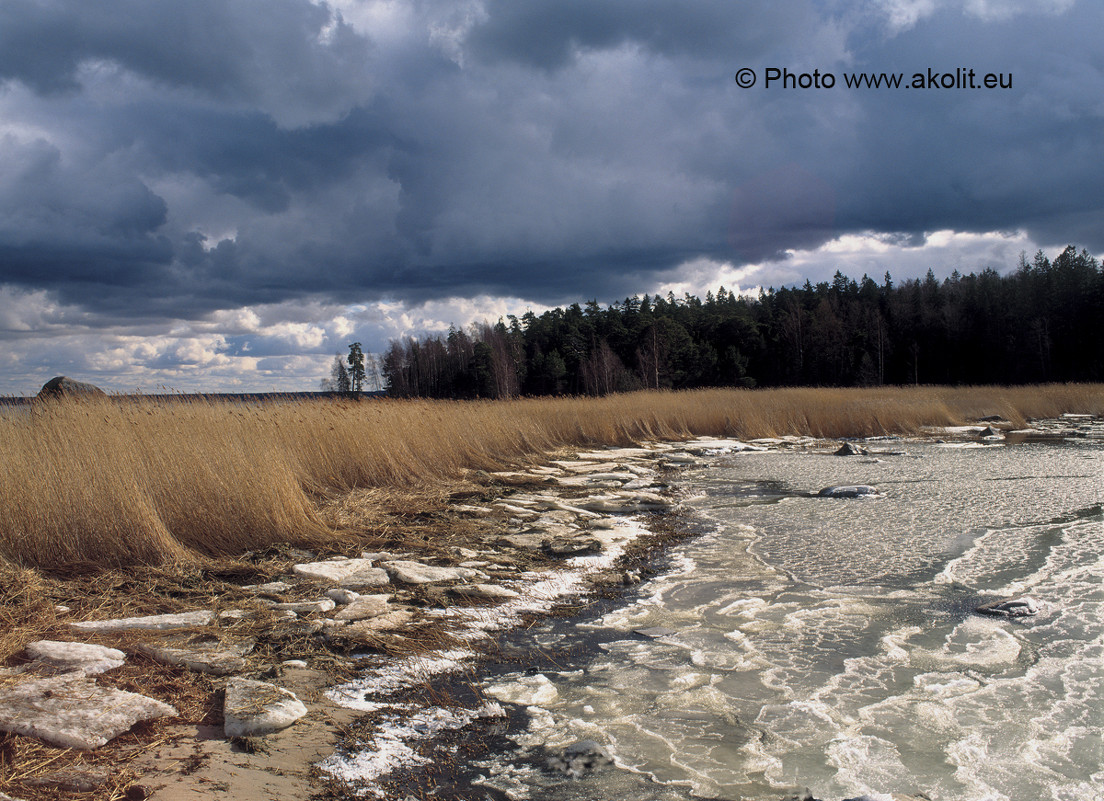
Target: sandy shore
[(542, 536)]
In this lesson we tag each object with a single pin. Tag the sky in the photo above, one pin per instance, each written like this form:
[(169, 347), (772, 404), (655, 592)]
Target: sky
[(219, 195)]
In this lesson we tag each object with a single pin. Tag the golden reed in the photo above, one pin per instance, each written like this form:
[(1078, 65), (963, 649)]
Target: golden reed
[(111, 482)]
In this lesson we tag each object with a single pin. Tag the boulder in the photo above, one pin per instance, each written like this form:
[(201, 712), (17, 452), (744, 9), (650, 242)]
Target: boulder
[(851, 449), (83, 657), (848, 491), (1010, 607), (62, 387), (255, 708), (990, 433), (71, 711)]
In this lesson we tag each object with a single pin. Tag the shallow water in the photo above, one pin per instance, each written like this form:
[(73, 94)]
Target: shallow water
[(830, 644)]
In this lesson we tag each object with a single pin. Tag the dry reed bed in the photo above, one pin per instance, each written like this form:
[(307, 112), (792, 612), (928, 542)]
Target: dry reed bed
[(112, 482)]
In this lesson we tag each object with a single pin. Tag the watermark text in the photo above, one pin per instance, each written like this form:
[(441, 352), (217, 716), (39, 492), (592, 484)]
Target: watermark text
[(959, 78)]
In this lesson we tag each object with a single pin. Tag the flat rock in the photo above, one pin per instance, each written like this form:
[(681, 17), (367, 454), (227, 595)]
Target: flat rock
[(348, 573), (571, 546), (587, 467), (625, 503), (71, 711), (485, 592), (201, 654), (417, 573), (391, 620), (257, 708), (304, 607), (270, 588), (655, 632), (66, 656), (848, 491), (1011, 607), (364, 607), (471, 509), (182, 620)]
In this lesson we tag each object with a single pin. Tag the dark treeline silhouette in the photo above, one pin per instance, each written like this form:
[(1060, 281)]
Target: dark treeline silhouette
[(1042, 322)]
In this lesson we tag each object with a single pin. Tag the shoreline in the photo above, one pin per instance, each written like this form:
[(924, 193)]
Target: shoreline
[(180, 761), (535, 540)]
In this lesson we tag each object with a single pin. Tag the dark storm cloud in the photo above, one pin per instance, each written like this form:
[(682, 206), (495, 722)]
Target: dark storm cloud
[(547, 35), (176, 158)]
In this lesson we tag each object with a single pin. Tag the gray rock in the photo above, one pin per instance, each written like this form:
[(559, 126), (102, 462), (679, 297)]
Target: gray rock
[(71, 711), (581, 758), (1010, 607), (848, 491), (62, 387), (256, 708), (417, 573), (183, 620), (990, 433), (201, 654), (66, 656)]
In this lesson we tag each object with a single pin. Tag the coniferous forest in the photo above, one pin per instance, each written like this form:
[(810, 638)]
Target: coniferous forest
[(1042, 322)]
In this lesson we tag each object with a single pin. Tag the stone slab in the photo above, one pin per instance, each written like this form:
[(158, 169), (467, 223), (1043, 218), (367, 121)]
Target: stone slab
[(71, 711), (364, 607), (418, 573), (348, 573), (202, 655), (88, 659), (182, 620), (391, 620)]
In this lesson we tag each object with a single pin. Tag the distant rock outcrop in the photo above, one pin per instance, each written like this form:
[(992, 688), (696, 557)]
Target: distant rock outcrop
[(62, 387), (850, 449)]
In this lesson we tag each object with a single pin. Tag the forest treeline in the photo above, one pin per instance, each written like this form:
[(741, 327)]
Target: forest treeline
[(1042, 322)]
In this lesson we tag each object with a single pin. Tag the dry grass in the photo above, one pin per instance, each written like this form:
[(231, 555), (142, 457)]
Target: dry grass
[(111, 482)]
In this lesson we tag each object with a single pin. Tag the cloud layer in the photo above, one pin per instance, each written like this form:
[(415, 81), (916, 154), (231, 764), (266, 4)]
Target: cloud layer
[(178, 167)]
